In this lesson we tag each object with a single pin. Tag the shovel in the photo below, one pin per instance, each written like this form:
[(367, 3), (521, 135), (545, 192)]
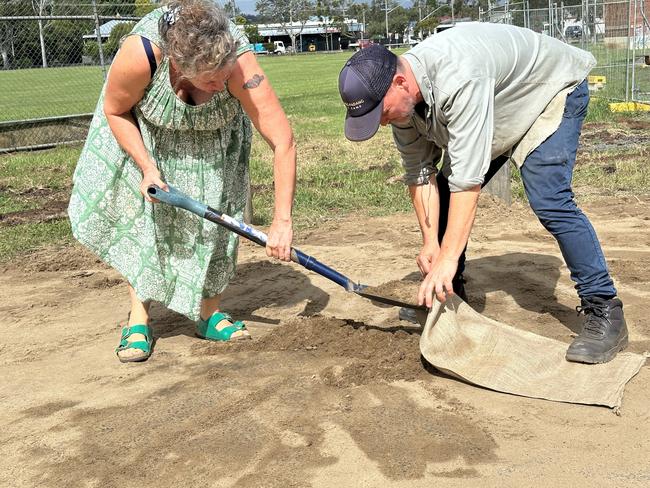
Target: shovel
[(178, 199)]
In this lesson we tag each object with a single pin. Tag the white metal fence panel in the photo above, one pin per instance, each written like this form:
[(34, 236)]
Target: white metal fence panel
[(617, 32)]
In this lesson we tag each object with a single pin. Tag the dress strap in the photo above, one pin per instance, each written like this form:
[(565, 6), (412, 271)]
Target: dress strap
[(150, 55)]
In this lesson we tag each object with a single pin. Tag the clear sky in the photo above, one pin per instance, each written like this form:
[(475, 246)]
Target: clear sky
[(246, 6)]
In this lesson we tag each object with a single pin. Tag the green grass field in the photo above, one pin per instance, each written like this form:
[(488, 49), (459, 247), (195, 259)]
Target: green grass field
[(35, 93), (335, 177)]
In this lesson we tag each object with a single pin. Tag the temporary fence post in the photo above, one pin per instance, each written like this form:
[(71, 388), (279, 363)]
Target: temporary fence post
[(499, 185)]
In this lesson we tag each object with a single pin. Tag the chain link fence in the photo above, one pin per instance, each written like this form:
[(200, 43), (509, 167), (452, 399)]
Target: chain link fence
[(55, 53), (54, 57), (617, 33)]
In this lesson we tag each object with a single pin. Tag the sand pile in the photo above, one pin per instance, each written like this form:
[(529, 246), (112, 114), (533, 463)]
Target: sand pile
[(369, 354)]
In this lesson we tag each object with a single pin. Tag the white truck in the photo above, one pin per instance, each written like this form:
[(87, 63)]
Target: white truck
[(279, 47)]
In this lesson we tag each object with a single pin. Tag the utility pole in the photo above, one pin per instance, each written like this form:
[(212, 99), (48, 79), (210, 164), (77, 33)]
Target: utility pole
[(419, 33), (386, 11)]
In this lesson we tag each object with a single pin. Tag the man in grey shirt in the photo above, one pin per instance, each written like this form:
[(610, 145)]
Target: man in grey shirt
[(470, 99)]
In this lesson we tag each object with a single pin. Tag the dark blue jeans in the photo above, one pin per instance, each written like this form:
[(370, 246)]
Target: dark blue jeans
[(547, 174)]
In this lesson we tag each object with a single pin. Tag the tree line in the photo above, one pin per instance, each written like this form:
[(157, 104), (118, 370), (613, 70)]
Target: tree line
[(31, 43), (372, 14), (422, 15), (43, 43)]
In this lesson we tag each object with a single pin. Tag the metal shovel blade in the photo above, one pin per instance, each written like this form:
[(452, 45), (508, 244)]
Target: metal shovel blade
[(359, 290)]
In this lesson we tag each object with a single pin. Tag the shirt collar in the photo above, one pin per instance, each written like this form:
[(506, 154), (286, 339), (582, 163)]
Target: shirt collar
[(421, 77)]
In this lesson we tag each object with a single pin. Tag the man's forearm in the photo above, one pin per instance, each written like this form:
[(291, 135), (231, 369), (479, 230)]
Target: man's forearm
[(426, 203), (462, 210)]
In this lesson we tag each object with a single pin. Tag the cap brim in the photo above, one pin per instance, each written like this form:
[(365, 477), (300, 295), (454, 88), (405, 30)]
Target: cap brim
[(364, 127)]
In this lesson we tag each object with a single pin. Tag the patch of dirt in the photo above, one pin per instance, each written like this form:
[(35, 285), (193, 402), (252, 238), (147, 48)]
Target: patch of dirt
[(369, 354), (602, 136), (101, 282), (638, 125), (50, 204), (331, 391), (55, 210), (62, 258), (631, 271), (30, 193)]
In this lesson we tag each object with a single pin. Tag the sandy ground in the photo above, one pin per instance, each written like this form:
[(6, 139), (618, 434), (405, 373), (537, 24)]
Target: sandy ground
[(332, 391)]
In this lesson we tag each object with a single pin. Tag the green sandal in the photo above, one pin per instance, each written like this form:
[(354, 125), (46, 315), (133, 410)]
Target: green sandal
[(144, 346), (207, 329)]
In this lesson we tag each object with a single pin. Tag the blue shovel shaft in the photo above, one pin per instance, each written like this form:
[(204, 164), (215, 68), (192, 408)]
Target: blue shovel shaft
[(178, 199)]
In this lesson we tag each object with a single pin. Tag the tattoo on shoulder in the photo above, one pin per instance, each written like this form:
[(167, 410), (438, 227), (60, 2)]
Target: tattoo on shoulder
[(254, 82)]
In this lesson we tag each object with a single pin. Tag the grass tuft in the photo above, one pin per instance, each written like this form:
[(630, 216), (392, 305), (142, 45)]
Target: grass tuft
[(20, 239)]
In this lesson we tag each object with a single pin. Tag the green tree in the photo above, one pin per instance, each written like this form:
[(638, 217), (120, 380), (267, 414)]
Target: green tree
[(91, 49), (231, 8), (113, 43), (428, 25), (143, 7), (376, 19), (252, 33), (292, 15), (64, 41), (398, 21), (332, 12), (250, 29), (358, 11), (123, 8)]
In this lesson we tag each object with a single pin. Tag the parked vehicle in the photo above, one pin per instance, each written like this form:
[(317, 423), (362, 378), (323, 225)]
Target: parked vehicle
[(443, 27), (573, 32), (258, 48), (279, 47), (360, 44)]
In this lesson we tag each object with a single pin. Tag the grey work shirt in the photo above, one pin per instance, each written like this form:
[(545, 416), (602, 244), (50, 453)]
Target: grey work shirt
[(488, 89)]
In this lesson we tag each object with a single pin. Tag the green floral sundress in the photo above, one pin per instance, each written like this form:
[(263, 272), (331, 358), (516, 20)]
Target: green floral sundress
[(167, 254)]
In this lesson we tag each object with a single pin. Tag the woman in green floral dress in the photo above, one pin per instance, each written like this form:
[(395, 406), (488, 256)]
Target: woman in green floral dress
[(176, 108)]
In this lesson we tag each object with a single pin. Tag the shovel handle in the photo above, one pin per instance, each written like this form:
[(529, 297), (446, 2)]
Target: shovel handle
[(178, 199)]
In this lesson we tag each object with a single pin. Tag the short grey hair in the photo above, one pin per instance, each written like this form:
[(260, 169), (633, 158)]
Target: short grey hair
[(196, 36)]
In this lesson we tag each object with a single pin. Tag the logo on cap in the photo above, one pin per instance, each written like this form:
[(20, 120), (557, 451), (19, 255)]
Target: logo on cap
[(354, 105), (363, 83)]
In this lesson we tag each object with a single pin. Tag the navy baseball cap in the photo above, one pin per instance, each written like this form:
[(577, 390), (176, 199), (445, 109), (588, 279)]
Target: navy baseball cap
[(363, 84)]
